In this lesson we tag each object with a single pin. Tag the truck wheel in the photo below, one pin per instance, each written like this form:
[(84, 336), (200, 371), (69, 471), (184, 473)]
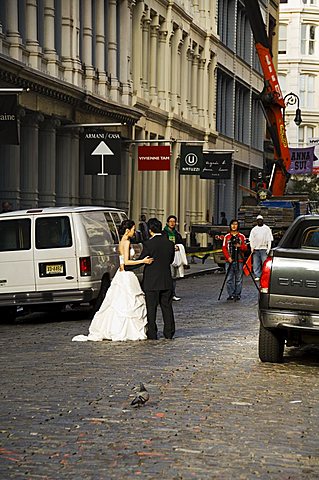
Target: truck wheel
[(271, 346)]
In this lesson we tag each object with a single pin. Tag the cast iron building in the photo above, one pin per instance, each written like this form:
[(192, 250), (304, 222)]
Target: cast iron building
[(299, 67), (182, 70)]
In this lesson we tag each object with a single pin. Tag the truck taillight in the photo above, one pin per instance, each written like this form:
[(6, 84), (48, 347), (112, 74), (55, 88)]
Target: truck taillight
[(85, 266), (265, 276)]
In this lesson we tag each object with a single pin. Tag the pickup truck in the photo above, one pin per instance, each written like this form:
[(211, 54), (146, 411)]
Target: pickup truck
[(289, 291)]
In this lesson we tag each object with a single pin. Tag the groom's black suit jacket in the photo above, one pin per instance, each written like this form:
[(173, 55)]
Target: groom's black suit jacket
[(157, 276)]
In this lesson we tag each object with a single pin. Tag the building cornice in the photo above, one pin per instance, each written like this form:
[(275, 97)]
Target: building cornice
[(18, 75)]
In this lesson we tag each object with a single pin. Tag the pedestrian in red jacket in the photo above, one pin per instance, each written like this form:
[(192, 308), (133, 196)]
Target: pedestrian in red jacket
[(234, 246)]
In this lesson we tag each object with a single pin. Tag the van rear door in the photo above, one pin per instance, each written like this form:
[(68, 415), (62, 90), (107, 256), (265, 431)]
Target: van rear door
[(55, 253), (16, 256)]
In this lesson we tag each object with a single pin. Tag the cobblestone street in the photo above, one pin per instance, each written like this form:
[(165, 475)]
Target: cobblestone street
[(215, 411)]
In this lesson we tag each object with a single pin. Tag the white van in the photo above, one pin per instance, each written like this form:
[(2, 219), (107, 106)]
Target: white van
[(51, 257)]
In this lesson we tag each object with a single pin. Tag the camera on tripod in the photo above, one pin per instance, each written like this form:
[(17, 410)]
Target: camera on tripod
[(234, 244)]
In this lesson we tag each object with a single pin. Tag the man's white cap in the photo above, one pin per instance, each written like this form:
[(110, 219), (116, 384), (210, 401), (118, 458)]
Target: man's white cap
[(259, 217)]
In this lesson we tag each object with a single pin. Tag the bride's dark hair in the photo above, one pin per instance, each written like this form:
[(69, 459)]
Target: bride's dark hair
[(124, 225)]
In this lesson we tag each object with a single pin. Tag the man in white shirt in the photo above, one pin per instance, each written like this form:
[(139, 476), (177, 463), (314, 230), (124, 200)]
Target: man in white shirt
[(260, 239)]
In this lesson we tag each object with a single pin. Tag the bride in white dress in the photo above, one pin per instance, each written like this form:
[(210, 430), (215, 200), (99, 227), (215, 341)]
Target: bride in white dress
[(122, 315)]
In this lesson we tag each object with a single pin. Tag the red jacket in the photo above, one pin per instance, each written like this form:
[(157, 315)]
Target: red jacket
[(226, 246)]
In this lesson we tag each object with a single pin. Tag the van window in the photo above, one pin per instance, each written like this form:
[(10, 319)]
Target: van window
[(15, 234), (53, 232), (96, 228), (112, 227)]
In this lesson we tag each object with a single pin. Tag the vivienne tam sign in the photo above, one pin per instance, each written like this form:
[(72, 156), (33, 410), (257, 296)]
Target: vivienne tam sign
[(154, 158)]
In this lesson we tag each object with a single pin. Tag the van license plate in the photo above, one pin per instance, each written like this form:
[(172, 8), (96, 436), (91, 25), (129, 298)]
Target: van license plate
[(52, 269)]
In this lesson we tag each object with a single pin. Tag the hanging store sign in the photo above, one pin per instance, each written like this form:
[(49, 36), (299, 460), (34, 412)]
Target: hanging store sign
[(216, 166), (102, 152), (315, 167), (302, 160), (154, 158), (191, 160), (8, 120)]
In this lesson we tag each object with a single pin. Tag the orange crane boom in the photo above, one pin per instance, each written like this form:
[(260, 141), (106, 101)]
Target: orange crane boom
[(271, 99)]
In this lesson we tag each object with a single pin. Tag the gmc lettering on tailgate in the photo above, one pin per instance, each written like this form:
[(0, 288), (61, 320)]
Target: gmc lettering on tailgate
[(285, 282)]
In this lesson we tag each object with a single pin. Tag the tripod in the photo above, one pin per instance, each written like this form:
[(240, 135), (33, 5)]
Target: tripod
[(238, 254)]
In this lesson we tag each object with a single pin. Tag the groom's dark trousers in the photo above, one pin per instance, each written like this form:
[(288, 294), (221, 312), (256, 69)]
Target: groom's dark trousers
[(158, 285)]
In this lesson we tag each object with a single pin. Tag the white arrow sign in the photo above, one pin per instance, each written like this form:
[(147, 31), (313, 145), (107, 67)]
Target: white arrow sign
[(102, 149)]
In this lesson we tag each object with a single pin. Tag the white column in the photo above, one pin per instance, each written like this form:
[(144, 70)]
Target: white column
[(49, 35), (184, 77), (75, 168), (137, 52), (32, 44), (162, 66), (47, 162), (122, 186), (100, 47), (146, 61), (194, 100), (85, 181), (10, 174), (30, 160), (201, 91), (153, 59), (63, 167), (125, 49), (12, 35), (190, 54), (87, 45), (112, 50), (98, 189), (66, 43)]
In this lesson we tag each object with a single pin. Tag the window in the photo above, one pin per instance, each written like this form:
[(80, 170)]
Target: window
[(242, 110), (305, 133), (112, 227), (282, 83), (226, 22), (53, 232), (310, 238), (282, 45), (15, 235), (307, 90), (97, 228), (309, 2), (257, 124), (308, 38), (225, 104), (243, 35)]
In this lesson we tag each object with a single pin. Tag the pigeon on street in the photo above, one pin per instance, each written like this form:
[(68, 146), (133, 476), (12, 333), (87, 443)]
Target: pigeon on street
[(142, 396)]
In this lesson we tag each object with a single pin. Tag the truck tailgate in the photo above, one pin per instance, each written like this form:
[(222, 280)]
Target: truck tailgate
[(295, 280)]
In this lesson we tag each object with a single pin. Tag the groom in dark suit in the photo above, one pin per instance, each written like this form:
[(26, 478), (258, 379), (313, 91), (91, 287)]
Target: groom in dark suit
[(157, 280)]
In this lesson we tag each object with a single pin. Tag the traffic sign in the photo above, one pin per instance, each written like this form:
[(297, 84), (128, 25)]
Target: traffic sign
[(102, 153)]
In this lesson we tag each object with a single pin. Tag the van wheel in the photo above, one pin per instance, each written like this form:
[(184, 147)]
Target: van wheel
[(271, 345), (8, 314), (99, 299)]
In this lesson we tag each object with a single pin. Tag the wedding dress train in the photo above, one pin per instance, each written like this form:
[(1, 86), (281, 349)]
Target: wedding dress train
[(122, 315)]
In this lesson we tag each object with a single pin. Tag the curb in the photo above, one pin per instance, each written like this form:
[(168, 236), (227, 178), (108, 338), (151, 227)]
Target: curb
[(200, 272)]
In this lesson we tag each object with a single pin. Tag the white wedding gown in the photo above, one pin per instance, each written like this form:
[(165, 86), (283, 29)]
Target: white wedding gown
[(122, 315)]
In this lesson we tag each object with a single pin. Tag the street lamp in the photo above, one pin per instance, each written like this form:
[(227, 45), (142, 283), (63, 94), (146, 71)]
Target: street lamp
[(291, 99)]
